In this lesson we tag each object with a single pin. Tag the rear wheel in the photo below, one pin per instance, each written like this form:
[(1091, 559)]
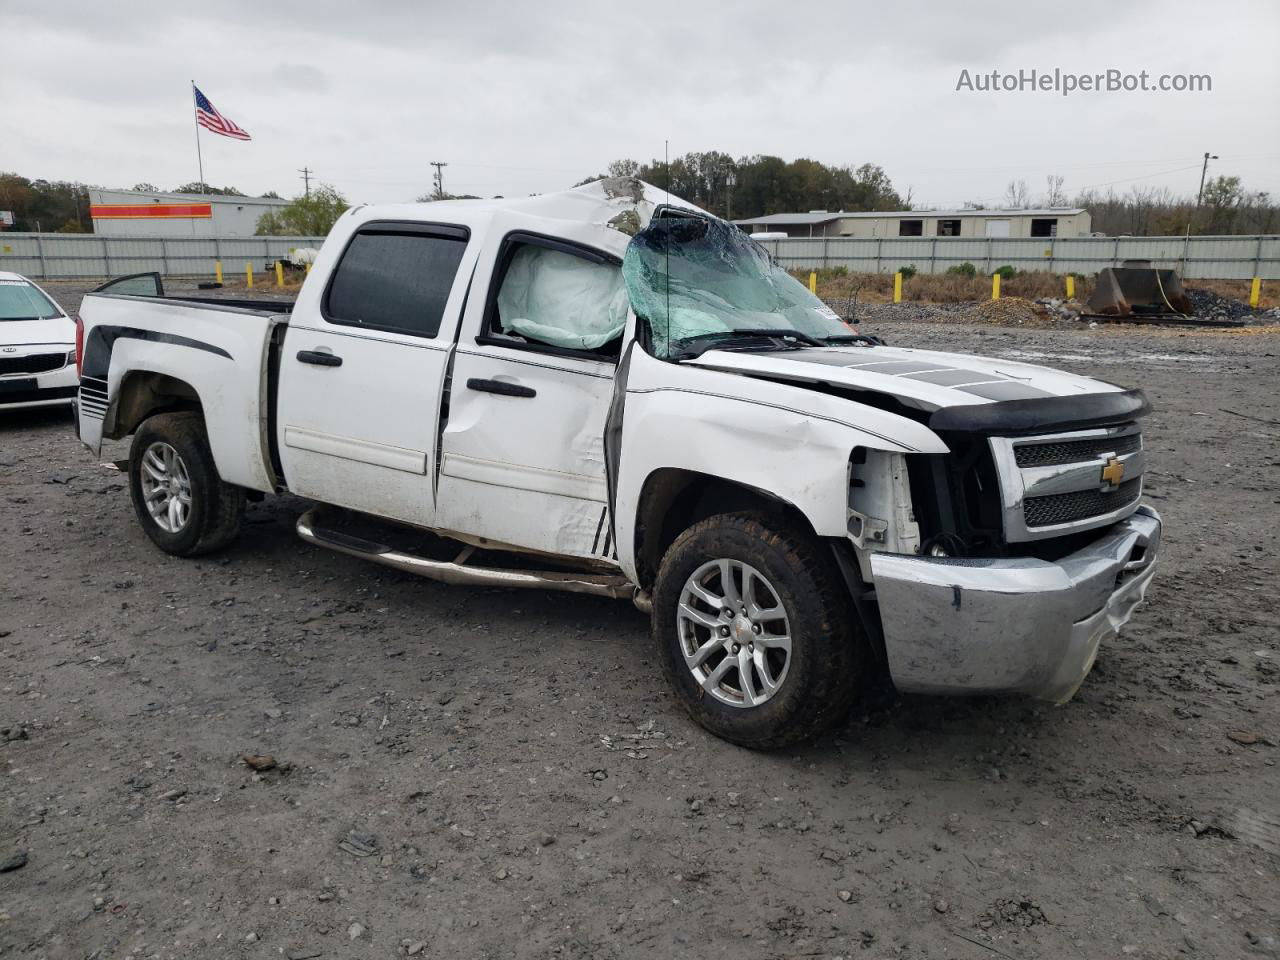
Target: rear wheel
[(755, 632), (181, 502)]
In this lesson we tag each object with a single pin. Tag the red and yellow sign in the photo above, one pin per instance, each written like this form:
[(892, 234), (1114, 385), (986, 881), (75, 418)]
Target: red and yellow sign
[(151, 211)]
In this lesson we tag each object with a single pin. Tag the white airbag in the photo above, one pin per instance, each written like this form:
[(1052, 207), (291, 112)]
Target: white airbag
[(562, 300)]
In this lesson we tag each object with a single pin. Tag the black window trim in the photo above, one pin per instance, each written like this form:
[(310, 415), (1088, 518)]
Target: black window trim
[(105, 287), (444, 231), (505, 252)]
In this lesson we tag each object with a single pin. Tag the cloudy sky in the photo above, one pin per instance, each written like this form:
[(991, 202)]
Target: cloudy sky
[(524, 97)]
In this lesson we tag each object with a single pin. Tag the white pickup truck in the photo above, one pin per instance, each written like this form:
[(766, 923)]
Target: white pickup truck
[(610, 392)]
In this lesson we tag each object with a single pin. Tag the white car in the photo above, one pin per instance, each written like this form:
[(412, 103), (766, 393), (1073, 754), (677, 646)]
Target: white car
[(37, 347)]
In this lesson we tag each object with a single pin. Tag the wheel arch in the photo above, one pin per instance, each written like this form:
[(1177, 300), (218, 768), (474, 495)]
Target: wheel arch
[(673, 499), (145, 393)]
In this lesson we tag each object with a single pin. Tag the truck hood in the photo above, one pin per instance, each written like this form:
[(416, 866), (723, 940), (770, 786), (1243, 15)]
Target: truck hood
[(20, 333), (926, 379)]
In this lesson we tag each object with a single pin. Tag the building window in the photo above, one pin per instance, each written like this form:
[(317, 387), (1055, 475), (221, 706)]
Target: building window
[(1044, 227), (910, 228), (948, 228)]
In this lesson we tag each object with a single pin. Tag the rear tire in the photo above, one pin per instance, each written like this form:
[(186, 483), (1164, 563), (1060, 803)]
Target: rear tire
[(181, 502), (792, 690)]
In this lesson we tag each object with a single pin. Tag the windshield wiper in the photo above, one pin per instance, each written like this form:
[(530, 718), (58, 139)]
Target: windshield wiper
[(866, 338), (695, 346)]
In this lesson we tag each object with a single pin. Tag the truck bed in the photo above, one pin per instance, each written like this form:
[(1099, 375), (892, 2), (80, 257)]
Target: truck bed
[(190, 350)]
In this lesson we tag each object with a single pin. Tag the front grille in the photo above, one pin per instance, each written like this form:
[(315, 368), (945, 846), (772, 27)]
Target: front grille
[(33, 363), (1074, 451), (1080, 505)]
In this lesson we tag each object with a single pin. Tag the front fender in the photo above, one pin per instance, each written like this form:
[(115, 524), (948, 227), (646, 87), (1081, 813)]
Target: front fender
[(784, 439)]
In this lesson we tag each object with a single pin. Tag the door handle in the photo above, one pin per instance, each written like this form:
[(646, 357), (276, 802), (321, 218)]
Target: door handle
[(501, 387), (319, 358)]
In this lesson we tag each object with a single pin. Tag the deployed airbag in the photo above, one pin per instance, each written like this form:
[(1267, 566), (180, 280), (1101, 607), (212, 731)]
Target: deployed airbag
[(562, 300)]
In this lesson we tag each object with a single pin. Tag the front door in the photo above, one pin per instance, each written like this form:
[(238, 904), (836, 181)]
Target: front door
[(522, 453), (363, 367)]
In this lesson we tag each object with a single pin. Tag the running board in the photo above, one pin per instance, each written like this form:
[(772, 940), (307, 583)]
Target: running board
[(457, 572)]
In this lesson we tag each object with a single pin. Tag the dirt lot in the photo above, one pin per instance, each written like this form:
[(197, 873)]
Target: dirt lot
[(519, 783)]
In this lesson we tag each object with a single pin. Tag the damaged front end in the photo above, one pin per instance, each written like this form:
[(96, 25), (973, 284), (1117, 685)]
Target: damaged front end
[(1011, 624), (1002, 565)]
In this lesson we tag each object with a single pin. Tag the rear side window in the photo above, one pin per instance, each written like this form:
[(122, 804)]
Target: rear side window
[(396, 279)]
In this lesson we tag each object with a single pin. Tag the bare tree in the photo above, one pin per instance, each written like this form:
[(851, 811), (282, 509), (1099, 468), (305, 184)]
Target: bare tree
[(1054, 196), (1016, 195)]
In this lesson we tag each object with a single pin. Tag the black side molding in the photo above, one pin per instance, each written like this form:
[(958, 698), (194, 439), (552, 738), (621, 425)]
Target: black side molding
[(1043, 413)]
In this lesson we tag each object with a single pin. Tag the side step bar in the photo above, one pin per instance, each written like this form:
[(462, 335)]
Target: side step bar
[(600, 585)]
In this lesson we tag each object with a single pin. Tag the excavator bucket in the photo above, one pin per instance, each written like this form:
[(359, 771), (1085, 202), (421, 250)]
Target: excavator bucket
[(1138, 291)]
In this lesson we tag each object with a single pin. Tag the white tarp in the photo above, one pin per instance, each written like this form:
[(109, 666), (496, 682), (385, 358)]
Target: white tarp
[(562, 300)]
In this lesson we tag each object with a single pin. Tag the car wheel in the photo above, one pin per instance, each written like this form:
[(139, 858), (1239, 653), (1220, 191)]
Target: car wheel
[(183, 505), (755, 631)]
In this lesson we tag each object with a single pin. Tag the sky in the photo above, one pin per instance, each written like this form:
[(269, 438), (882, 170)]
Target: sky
[(530, 97)]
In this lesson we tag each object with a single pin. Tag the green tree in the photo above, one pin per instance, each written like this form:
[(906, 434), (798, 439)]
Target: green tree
[(195, 186), (764, 184), (46, 205), (1222, 199), (305, 216)]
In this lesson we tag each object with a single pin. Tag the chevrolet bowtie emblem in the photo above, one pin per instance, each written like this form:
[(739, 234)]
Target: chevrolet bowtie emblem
[(1113, 472)]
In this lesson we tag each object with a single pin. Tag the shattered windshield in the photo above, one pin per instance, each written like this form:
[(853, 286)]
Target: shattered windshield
[(694, 278)]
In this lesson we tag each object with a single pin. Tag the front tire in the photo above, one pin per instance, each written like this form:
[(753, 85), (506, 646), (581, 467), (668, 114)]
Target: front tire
[(181, 502), (755, 632)]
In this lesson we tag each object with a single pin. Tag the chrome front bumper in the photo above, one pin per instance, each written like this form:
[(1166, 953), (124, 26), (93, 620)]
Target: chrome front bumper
[(1017, 625)]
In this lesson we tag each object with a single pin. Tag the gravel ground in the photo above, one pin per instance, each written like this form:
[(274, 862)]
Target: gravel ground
[(486, 773)]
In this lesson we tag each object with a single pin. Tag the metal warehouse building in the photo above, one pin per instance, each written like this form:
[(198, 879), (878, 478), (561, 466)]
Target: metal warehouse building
[(1044, 222), (132, 213)]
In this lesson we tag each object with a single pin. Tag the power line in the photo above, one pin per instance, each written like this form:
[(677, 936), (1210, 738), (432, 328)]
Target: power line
[(307, 173)]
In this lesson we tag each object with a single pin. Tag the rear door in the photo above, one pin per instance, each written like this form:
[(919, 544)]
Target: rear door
[(363, 366), (522, 457)]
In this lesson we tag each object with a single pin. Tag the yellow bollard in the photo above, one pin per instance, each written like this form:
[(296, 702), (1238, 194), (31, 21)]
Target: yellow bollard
[(217, 271), (995, 286), (897, 287), (813, 282), (1255, 292), (308, 269), (1071, 286), (248, 275), (279, 274)]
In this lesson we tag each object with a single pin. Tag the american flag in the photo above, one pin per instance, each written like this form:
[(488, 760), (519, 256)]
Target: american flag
[(208, 117)]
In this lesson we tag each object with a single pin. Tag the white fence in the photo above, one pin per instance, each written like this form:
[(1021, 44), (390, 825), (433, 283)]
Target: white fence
[(63, 256), (60, 256), (1224, 258)]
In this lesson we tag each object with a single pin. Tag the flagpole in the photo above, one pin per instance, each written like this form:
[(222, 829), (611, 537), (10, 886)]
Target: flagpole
[(199, 158)]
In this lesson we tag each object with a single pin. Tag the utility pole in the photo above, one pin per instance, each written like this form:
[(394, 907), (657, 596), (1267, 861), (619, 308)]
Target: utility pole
[(307, 174), (1186, 240), (439, 177)]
